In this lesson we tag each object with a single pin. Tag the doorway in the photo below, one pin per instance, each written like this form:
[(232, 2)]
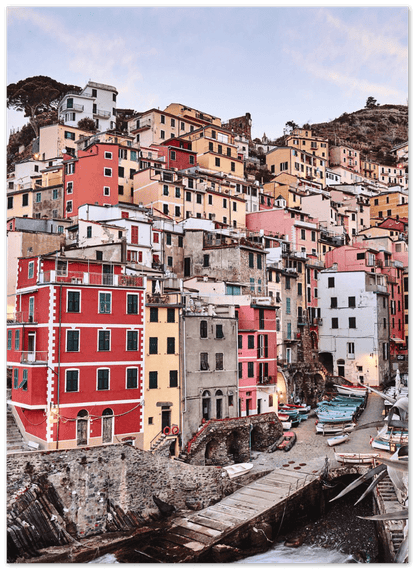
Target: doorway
[(82, 428), (166, 415), (107, 426)]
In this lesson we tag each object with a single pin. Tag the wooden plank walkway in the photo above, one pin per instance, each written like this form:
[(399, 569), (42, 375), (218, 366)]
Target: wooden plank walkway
[(189, 536)]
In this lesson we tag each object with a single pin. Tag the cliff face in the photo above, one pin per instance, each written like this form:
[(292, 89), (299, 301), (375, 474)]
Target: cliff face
[(373, 131)]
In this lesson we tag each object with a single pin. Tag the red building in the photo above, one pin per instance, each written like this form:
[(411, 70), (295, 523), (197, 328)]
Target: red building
[(91, 177), (75, 351), (178, 153), (257, 359)]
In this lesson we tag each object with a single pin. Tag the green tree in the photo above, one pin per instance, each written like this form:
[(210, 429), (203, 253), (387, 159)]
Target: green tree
[(87, 124), (36, 95), (371, 102)]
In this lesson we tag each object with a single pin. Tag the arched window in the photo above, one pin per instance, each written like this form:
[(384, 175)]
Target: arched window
[(218, 403), (206, 405)]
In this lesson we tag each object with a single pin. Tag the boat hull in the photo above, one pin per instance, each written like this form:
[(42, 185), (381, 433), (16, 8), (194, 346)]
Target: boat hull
[(352, 458), (335, 440)]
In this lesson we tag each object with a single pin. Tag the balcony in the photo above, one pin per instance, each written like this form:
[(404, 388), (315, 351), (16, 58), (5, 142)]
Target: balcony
[(101, 113), (34, 357), (21, 317), (74, 107), (267, 380), (88, 278)]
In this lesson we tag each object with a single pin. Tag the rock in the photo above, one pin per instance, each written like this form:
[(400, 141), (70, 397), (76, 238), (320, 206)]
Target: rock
[(193, 504), (224, 553)]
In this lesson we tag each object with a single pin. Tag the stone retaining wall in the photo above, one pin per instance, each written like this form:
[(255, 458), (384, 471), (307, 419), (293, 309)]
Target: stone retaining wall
[(95, 490)]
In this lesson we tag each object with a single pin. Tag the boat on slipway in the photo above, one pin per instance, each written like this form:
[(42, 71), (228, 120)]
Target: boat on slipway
[(338, 439), (355, 390), (355, 458), (323, 428), (235, 470)]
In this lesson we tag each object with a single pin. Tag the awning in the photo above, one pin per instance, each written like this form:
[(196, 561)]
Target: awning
[(398, 341)]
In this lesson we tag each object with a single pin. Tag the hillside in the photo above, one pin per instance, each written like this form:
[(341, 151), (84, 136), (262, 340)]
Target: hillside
[(373, 131)]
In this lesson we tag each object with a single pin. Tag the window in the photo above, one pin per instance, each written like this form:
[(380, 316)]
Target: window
[(132, 340), (173, 379), (153, 345), (351, 350), (177, 211), (219, 361), (288, 306), (69, 187), (219, 334), (73, 301), (108, 172), (299, 289), (361, 256), (69, 206), (15, 378), (171, 315), (259, 264), (173, 155), (31, 270), (108, 155), (204, 365), (352, 323), (166, 209), (132, 378), (38, 197), (251, 260), (188, 196), (287, 282), (71, 381), (206, 261), (232, 166), (217, 162), (331, 282), (240, 370), (103, 379), (203, 329), (351, 301), (132, 303), (89, 231), (240, 341), (16, 340), (334, 302), (334, 323), (162, 134), (10, 202), (9, 339), (152, 379), (250, 369), (250, 342), (106, 191), (171, 346), (104, 340), (98, 255), (163, 119), (72, 340)]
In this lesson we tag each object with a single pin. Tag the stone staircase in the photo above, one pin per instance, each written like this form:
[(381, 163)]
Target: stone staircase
[(15, 441)]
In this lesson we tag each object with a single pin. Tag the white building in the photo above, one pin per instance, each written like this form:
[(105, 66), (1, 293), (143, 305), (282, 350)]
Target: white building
[(96, 101), (354, 335)]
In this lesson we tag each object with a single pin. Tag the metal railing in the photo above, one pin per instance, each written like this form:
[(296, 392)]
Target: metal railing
[(102, 113), (75, 107), (267, 380), (34, 357), (21, 317), (88, 278)]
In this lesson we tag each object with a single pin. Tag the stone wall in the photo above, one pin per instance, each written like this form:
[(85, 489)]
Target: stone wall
[(230, 441), (76, 493)]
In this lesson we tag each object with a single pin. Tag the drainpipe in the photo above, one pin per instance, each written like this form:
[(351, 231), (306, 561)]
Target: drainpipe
[(249, 442), (59, 363), (183, 391)]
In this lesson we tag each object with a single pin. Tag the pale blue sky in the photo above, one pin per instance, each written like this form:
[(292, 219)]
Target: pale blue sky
[(278, 63)]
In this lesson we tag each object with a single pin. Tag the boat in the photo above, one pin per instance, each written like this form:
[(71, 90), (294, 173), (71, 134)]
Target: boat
[(236, 470), (355, 458), (381, 444), (351, 390), (298, 407), (287, 425), (335, 417), (283, 417), (338, 439), (289, 439), (322, 428)]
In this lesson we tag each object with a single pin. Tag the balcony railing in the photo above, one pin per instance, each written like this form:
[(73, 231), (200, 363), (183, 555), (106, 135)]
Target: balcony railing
[(34, 357), (101, 113), (75, 107), (88, 278), (21, 317), (267, 380)]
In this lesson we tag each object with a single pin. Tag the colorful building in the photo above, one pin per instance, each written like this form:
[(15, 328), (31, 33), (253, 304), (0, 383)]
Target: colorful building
[(76, 352)]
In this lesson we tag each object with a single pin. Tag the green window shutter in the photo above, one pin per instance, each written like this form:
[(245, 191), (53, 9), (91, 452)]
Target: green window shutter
[(152, 379)]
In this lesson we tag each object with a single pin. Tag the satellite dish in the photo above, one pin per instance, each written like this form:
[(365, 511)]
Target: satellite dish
[(64, 151)]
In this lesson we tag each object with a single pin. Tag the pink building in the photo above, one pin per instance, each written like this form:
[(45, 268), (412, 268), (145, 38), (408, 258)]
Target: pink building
[(257, 364), (301, 229)]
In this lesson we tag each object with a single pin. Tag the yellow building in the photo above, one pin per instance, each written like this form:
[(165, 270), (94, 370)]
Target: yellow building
[(54, 138), (162, 384), (369, 169), (153, 127), (295, 162), (193, 115), (305, 140), (389, 204), (216, 151), (189, 195), (286, 186)]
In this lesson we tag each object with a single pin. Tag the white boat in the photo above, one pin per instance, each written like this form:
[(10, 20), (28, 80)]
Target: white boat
[(338, 439), (238, 469), (354, 458), (323, 428), (287, 425), (351, 390)]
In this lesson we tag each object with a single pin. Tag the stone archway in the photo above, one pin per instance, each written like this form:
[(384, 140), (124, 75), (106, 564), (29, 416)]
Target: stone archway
[(234, 445), (257, 437), (327, 361), (210, 450)]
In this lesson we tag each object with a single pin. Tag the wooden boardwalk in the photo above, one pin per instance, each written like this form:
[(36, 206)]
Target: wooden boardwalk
[(189, 537)]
